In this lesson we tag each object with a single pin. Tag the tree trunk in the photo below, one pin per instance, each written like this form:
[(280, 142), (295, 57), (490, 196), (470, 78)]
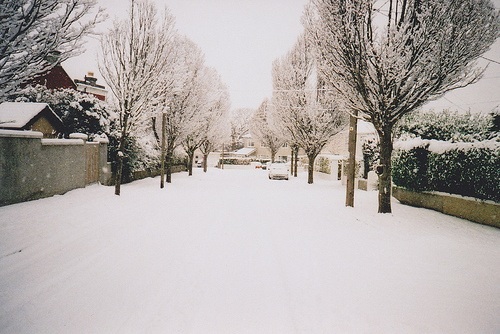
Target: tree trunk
[(119, 157), (205, 162), (190, 163), (291, 160), (384, 171), (168, 165), (118, 176), (310, 168)]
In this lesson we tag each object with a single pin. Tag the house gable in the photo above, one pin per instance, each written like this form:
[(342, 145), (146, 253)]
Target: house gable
[(44, 126), (30, 116), (55, 78), (46, 122)]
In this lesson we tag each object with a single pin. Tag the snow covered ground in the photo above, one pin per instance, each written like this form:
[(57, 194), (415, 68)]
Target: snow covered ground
[(233, 252)]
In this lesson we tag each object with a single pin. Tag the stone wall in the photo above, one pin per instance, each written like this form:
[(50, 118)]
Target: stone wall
[(483, 212), (32, 167), (142, 174)]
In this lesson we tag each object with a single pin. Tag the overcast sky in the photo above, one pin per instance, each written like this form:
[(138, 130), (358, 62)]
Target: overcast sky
[(241, 38)]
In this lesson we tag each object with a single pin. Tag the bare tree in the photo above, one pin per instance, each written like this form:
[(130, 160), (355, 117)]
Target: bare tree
[(240, 125), (36, 35), (215, 118), (182, 103), (211, 102), (194, 133), (136, 55), (303, 105), (264, 131), (389, 58)]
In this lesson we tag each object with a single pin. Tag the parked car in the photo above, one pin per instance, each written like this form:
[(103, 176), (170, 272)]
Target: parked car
[(278, 170), (256, 164)]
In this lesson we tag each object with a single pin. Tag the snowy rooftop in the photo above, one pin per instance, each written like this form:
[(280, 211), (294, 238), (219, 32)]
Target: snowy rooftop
[(18, 114), (244, 151)]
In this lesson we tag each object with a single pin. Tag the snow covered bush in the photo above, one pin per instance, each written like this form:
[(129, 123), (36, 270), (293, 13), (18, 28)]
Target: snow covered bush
[(235, 161), (468, 169), (447, 125), (410, 169), (80, 112), (323, 165), (371, 155), (140, 153), (470, 172)]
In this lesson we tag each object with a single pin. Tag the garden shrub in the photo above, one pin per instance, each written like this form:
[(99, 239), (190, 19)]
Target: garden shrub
[(235, 161), (409, 169), (140, 154), (80, 112), (447, 125), (371, 155), (323, 164), (468, 169), (473, 172)]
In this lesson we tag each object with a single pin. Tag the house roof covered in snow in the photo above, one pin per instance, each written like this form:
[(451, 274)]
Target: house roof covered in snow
[(20, 115), (246, 151)]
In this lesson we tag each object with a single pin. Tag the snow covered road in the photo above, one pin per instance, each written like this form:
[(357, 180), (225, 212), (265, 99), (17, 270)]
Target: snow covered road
[(233, 252)]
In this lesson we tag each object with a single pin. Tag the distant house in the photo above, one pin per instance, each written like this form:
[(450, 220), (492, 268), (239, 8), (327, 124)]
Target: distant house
[(244, 152), (30, 116), (340, 142), (336, 152), (260, 152), (89, 85), (56, 78)]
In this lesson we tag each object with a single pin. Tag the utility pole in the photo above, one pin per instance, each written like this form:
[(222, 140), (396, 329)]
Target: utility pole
[(222, 161), (351, 164), (162, 169), (296, 158)]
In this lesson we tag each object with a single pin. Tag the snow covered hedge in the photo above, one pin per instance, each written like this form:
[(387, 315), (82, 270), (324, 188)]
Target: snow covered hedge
[(468, 169)]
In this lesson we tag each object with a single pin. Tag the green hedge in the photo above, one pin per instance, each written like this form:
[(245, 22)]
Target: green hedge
[(468, 169), (235, 161), (323, 165)]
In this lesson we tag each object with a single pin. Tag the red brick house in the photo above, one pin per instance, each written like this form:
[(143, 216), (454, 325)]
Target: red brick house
[(58, 78), (54, 79)]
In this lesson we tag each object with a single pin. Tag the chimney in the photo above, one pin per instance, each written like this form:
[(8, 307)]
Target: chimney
[(89, 79)]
